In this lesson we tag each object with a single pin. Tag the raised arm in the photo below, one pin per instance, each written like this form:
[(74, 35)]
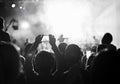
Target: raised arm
[(58, 56), (34, 46), (31, 54)]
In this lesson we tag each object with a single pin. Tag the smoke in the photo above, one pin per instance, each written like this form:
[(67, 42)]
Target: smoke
[(78, 20), (82, 19)]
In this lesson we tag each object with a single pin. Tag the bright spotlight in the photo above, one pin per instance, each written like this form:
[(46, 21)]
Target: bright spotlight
[(21, 7), (68, 17), (24, 25), (13, 5)]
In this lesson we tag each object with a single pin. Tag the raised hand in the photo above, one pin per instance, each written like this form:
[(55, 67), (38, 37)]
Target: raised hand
[(34, 46), (58, 55), (52, 39), (38, 38), (13, 20)]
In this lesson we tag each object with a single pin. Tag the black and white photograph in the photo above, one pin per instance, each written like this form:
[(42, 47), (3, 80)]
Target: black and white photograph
[(59, 41)]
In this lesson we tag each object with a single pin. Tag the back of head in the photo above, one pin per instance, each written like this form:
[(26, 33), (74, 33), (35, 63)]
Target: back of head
[(104, 67), (107, 38), (1, 23), (73, 53), (44, 62), (62, 47), (9, 58)]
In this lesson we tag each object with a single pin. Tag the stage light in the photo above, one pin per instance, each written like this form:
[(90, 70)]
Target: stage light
[(21, 7), (24, 25), (13, 5), (68, 17)]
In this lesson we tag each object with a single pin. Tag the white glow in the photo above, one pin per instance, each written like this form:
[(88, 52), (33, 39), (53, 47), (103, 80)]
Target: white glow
[(21, 7), (24, 25), (68, 17), (13, 5), (79, 20), (88, 54)]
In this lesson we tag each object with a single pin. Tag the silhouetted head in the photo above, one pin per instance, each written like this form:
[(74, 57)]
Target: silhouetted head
[(9, 58), (62, 47), (103, 66), (107, 38), (1, 23), (44, 62), (73, 54)]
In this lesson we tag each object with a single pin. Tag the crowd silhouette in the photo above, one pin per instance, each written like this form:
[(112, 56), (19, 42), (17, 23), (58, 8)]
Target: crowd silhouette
[(68, 64)]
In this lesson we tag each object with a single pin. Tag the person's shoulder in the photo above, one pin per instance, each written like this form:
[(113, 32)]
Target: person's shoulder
[(6, 34), (3, 33), (112, 47)]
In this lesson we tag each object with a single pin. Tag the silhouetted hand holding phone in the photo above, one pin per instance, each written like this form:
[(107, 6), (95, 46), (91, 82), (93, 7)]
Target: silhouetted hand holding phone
[(39, 38)]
